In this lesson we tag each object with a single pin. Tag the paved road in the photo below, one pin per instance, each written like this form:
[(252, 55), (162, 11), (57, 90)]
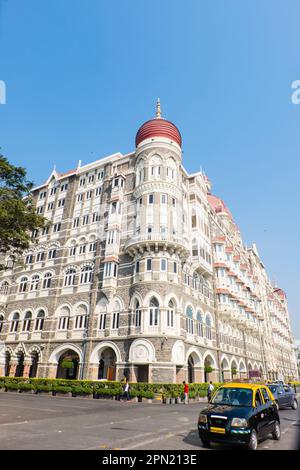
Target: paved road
[(45, 422)]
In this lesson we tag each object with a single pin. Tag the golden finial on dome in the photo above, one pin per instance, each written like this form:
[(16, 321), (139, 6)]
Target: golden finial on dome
[(158, 110)]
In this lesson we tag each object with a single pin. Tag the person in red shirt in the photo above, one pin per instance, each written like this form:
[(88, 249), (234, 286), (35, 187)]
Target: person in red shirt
[(186, 393)]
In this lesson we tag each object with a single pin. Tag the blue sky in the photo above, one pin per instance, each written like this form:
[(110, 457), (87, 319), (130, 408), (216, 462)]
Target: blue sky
[(82, 75)]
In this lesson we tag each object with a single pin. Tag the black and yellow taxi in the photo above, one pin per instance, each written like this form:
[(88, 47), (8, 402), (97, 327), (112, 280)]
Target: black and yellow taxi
[(239, 413)]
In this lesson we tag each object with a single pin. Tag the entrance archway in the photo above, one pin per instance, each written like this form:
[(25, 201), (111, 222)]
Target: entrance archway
[(20, 366), (67, 367), (107, 364), (191, 376), (7, 364), (234, 369), (225, 373), (209, 366), (34, 364)]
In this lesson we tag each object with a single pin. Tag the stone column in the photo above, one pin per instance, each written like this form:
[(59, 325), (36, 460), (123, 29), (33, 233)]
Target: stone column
[(26, 369), (213, 376), (181, 375), (92, 372), (227, 375), (133, 374), (199, 374), (13, 367), (52, 371)]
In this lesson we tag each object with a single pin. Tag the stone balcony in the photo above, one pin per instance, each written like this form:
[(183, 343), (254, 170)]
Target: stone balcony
[(154, 242)]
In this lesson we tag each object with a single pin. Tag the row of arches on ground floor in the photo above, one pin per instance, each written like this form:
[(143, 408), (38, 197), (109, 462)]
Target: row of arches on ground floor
[(66, 362)]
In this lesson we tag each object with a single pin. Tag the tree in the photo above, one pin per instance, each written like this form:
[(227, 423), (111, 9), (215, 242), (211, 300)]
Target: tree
[(18, 217)]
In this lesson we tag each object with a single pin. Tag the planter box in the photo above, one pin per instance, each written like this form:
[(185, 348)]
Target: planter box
[(149, 400), (61, 394), (82, 395)]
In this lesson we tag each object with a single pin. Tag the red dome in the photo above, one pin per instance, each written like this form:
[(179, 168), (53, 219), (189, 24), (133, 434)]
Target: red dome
[(158, 127), (218, 205)]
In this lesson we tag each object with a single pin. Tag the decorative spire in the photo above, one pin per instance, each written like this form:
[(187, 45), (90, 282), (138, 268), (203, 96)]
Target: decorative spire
[(158, 110)]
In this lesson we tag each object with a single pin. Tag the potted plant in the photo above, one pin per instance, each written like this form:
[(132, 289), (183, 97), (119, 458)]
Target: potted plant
[(41, 388), (61, 390), (149, 396)]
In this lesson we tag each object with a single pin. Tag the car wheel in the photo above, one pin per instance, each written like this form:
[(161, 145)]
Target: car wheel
[(276, 432), (294, 404), (205, 442), (252, 444)]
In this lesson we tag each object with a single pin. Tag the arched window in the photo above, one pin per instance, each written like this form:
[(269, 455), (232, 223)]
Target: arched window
[(171, 169), (86, 275), (153, 312), (64, 318), (40, 256), (35, 282), (170, 314), (70, 277), (1, 323), (47, 281), (72, 249), (4, 288), (82, 246), (199, 324), (23, 284), (15, 323), (81, 317), (137, 314), (52, 253), (9, 262), (189, 320), (27, 321), (208, 327), (102, 314), (155, 167), (116, 315), (39, 322)]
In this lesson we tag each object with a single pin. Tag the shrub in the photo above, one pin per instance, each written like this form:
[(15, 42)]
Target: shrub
[(11, 386), (26, 386), (67, 365), (148, 394), (43, 388), (78, 390)]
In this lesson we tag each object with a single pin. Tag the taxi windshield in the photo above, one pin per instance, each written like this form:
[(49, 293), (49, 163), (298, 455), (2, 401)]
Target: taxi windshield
[(233, 397)]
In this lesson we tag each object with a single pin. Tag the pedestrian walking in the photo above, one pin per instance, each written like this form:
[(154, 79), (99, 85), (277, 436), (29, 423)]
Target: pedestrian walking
[(126, 391), (186, 392), (210, 391)]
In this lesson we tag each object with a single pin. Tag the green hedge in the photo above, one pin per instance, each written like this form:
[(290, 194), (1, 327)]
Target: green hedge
[(103, 388)]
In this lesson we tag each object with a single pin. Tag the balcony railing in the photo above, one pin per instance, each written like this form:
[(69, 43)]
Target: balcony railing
[(168, 240)]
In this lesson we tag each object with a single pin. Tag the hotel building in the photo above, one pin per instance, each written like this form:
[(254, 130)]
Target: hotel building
[(142, 273)]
